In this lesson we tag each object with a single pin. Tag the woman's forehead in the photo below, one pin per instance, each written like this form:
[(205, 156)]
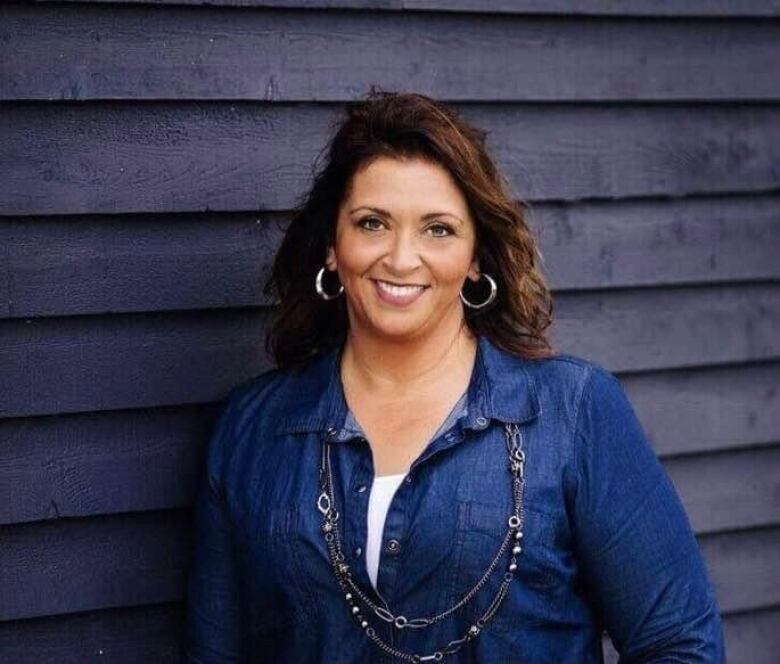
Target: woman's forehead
[(418, 187)]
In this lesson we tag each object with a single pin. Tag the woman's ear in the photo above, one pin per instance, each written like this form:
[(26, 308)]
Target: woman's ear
[(474, 273), (330, 260)]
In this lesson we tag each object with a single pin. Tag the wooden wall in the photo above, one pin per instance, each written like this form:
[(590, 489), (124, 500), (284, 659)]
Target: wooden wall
[(149, 153)]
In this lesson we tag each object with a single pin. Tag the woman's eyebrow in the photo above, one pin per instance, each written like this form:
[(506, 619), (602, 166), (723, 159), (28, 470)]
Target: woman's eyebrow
[(385, 213)]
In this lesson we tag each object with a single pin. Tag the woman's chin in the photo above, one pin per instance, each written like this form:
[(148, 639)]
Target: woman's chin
[(397, 328)]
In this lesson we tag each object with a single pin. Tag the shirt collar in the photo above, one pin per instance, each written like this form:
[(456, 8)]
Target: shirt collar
[(501, 388)]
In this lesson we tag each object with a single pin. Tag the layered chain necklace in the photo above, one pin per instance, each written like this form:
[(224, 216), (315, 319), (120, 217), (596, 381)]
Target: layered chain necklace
[(353, 593)]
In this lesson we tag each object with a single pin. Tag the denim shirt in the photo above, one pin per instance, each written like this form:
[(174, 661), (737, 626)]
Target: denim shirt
[(606, 545)]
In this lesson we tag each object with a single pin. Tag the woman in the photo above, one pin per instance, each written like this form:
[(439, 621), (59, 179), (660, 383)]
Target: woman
[(422, 477)]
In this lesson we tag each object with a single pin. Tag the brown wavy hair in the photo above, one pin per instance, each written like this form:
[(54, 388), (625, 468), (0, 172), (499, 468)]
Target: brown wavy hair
[(408, 125)]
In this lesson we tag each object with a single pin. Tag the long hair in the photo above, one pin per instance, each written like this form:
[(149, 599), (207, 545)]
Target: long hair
[(408, 125)]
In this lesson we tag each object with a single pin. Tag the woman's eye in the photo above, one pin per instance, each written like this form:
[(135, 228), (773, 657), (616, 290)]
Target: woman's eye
[(365, 221), (436, 228)]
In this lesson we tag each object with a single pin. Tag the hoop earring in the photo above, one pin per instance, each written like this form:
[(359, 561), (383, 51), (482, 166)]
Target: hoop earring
[(490, 298), (321, 291)]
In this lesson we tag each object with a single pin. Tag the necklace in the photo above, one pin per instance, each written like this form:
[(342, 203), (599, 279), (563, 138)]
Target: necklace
[(352, 592)]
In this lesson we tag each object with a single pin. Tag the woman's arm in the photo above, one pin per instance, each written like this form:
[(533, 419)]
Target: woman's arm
[(642, 565), (212, 633)]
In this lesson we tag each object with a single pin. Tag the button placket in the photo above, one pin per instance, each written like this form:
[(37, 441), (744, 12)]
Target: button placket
[(356, 531)]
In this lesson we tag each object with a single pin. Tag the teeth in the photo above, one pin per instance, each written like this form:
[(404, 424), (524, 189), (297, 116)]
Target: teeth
[(399, 291)]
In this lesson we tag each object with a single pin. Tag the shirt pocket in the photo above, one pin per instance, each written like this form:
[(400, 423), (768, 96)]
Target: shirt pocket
[(480, 531), (276, 592)]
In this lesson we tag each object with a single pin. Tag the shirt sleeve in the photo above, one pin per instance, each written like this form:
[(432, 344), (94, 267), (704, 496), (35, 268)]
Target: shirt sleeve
[(211, 630), (642, 567)]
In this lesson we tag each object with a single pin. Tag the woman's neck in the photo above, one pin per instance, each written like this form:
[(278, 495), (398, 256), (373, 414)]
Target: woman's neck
[(403, 369)]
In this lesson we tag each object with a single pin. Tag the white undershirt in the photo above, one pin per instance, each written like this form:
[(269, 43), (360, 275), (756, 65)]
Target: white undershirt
[(383, 489)]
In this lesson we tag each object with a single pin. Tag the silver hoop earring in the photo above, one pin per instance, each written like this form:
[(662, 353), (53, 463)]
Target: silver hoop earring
[(320, 290), (490, 298)]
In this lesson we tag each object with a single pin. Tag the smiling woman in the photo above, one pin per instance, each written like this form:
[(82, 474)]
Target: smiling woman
[(409, 195), (422, 477), (401, 265)]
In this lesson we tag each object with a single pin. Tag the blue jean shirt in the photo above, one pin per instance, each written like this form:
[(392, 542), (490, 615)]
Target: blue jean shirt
[(607, 544)]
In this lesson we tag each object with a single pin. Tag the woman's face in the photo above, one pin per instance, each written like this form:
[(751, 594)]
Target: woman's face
[(405, 243)]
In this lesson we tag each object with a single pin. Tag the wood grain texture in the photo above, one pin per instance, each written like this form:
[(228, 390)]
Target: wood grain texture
[(88, 52), (744, 568), (89, 464), (707, 409), (640, 330), (134, 559), (103, 363), (69, 266), (753, 637), (98, 264), (72, 565), (119, 636), (657, 242), (183, 157), (729, 490), (732, 8)]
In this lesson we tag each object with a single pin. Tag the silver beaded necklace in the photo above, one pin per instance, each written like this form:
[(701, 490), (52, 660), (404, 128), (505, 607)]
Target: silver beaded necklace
[(352, 592)]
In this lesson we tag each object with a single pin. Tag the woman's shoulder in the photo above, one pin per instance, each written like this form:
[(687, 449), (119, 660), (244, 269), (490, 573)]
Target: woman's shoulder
[(566, 383), (265, 395), (567, 371)]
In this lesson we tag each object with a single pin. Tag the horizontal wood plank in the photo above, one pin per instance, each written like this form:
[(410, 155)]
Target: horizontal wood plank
[(753, 637), (729, 490), (707, 409), (117, 561), (641, 330), (133, 559), (744, 568), (119, 636), (88, 265), (102, 463), (78, 364), (580, 7), (68, 266), (658, 242), (124, 52), (55, 365), (184, 157)]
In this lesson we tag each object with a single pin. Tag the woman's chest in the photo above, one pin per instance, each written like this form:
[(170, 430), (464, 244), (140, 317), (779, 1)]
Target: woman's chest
[(398, 432), (443, 531)]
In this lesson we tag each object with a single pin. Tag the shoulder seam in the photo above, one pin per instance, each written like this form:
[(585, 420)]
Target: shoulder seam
[(584, 386)]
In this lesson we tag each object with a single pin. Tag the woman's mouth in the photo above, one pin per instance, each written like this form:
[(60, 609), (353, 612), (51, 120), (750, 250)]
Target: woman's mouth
[(398, 295)]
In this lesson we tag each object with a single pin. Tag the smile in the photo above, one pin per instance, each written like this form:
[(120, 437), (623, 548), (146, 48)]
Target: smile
[(397, 294)]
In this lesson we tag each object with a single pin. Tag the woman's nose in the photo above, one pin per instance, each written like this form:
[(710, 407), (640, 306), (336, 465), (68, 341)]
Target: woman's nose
[(403, 254)]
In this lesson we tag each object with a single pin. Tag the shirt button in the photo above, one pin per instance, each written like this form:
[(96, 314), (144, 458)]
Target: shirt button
[(361, 488), (450, 436), (393, 546), (358, 551), (408, 479), (481, 421)]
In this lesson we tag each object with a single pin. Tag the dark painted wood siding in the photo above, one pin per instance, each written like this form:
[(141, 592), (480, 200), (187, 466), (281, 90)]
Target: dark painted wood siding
[(150, 152)]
